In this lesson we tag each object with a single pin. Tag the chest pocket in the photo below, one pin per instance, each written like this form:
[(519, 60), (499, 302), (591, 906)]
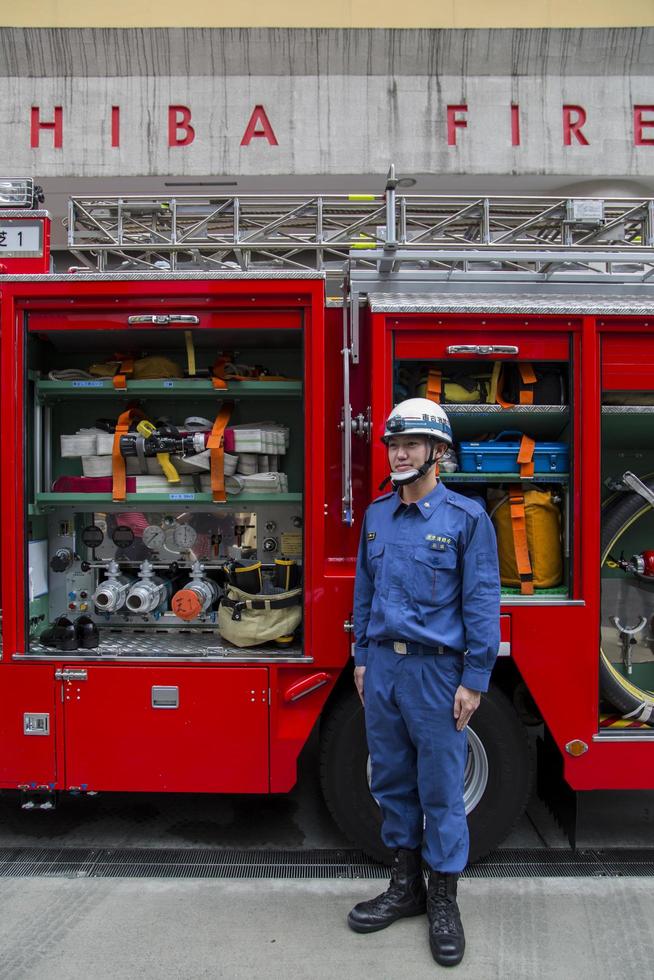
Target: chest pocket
[(376, 563), (435, 576)]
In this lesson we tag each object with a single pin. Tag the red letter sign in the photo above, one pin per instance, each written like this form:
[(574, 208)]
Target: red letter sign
[(572, 126), (453, 123), (640, 124), (179, 117), (57, 125), (515, 125), (259, 117), (115, 125)]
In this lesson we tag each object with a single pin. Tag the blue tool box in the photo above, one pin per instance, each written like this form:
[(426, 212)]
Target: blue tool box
[(499, 454)]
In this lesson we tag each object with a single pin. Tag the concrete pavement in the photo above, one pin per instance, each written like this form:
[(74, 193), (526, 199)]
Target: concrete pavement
[(122, 929)]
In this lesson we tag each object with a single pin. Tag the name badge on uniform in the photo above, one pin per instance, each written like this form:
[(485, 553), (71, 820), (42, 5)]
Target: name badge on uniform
[(439, 542), (372, 535)]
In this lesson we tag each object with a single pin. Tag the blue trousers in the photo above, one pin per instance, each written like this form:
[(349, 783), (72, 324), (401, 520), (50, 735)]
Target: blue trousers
[(417, 756)]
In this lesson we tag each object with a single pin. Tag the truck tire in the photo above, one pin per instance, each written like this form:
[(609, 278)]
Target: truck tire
[(629, 699), (498, 775)]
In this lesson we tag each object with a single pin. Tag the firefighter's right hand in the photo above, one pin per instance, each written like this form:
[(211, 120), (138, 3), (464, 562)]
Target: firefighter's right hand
[(358, 680)]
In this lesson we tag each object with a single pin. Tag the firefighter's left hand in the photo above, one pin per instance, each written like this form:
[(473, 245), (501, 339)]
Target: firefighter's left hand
[(466, 703)]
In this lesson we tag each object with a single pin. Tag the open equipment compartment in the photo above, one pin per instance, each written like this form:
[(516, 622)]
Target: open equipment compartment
[(627, 543), (494, 394), (151, 570)]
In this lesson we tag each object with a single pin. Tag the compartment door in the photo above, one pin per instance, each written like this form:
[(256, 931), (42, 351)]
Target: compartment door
[(167, 729), (627, 362)]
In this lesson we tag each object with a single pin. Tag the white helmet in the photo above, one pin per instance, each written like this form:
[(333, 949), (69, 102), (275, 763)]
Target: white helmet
[(417, 417)]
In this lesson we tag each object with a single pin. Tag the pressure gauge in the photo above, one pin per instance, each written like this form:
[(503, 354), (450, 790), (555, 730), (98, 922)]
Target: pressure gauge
[(154, 537), (123, 536), (92, 536), (184, 537)]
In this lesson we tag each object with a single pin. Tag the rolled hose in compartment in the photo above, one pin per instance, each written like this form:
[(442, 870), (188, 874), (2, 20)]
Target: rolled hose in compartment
[(631, 701)]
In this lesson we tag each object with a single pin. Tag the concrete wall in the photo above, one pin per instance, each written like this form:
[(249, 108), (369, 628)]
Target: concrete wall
[(332, 101)]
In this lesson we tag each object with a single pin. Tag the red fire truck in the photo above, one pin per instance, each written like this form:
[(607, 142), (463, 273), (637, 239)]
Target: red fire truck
[(192, 400)]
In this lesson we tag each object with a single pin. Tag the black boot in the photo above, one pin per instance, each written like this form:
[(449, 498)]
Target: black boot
[(446, 937), (87, 634), (405, 896), (60, 635)]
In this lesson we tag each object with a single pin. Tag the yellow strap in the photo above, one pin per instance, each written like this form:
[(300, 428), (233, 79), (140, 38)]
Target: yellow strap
[(526, 456), (520, 545), (190, 352), (216, 444)]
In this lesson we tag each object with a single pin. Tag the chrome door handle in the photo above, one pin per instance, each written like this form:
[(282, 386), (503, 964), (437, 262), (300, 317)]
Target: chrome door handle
[(68, 674), (482, 349), (162, 319)]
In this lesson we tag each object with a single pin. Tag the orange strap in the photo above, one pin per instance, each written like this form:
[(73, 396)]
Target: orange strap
[(126, 367), (119, 482), (520, 546), (218, 373), (216, 446), (528, 376), (526, 456), (434, 389)]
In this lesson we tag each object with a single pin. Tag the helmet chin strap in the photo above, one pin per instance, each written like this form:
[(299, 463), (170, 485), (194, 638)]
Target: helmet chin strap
[(403, 479)]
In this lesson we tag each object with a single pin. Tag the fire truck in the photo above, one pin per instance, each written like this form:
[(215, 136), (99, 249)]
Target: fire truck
[(191, 407)]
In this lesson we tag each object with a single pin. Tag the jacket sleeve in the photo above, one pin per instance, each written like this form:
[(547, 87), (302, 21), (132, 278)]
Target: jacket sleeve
[(480, 601), (363, 593)]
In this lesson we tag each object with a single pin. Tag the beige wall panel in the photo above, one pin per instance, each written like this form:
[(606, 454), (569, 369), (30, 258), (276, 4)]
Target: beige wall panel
[(338, 13)]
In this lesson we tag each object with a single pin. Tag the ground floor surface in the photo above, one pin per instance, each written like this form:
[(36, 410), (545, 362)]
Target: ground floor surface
[(126, 928)]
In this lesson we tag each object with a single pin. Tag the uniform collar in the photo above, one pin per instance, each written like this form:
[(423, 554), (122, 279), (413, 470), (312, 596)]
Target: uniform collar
[(427, 505)]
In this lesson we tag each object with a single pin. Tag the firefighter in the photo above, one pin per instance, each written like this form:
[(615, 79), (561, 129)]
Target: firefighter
[(426, 617)]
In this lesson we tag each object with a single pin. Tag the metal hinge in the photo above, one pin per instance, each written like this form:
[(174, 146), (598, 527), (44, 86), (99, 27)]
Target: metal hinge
[(361, 425), (71, 675), (162, 319)]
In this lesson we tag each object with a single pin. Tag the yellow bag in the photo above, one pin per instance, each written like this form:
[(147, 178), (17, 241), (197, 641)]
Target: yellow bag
[(151, 367), (248, 620), (458, 386), (542, 517)]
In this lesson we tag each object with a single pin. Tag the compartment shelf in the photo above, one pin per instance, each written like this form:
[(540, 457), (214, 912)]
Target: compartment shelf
[(460, 477), (52, 391), (51, 500), (484, 409), (539, 421)]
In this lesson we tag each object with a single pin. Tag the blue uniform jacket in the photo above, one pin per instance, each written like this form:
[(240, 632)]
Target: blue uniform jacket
[(428, 573)]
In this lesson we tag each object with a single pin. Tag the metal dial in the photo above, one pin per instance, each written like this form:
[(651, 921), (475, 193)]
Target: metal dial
[(184, 537), (154, 537)]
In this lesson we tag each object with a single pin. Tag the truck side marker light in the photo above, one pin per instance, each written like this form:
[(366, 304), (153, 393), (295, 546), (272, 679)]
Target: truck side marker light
[(576, 747), (305, 686)]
